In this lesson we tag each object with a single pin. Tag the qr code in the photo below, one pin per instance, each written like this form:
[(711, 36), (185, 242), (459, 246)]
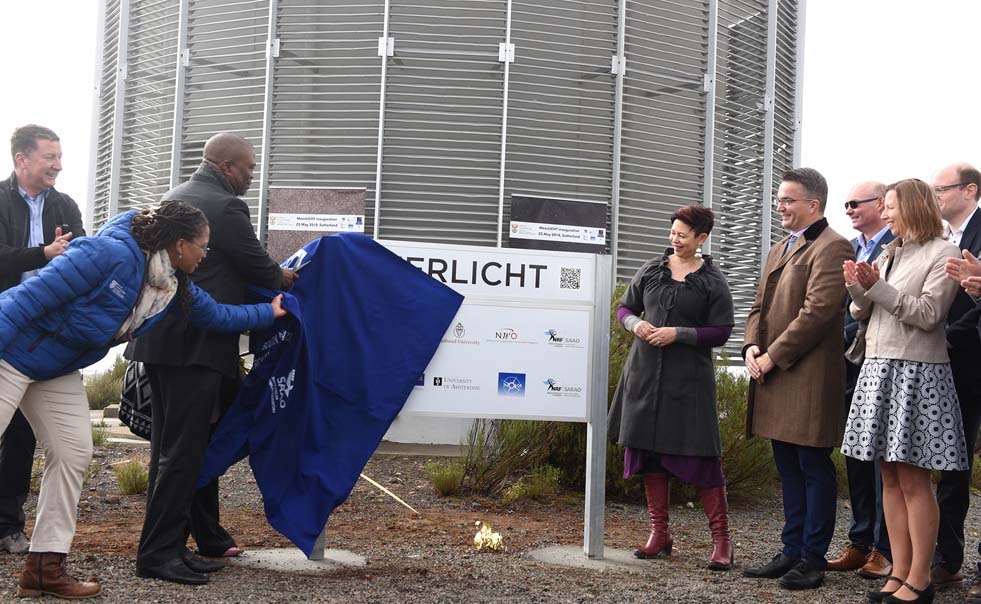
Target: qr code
[(570, 278)]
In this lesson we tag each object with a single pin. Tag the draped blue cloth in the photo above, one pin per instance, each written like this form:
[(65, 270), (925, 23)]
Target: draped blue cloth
[(330, 377)]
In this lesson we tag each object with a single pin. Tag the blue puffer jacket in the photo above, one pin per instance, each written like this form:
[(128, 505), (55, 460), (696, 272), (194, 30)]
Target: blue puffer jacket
[(66, 317)]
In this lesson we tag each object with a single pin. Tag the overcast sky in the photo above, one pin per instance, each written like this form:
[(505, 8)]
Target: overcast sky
[(890, 86)]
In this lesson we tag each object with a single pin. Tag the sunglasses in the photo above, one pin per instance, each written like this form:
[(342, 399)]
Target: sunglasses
[(854, 203)]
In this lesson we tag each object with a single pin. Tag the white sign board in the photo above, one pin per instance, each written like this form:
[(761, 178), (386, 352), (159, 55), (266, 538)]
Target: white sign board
[(524, 343), (336, 223)]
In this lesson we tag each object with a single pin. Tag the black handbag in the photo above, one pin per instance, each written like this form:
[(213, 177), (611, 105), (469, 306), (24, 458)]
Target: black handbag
[(134, 400)]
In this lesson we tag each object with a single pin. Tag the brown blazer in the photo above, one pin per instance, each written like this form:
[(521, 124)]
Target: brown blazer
[(798, 318)]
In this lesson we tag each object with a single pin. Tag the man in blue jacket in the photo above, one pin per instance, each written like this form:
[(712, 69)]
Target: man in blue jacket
[(36, 224), (868, 548)]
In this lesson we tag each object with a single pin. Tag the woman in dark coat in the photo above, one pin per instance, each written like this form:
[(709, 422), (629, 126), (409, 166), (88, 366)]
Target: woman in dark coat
[(664, 410)]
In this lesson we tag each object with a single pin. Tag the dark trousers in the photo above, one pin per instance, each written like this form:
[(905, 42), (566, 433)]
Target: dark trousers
[(183, 401), (205, 525), (810, 498), (868, 528), (16, 461), (954, 488)]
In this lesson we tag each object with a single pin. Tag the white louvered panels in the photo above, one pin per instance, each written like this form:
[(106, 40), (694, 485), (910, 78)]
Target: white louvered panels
[(144, 170), (444, 100)]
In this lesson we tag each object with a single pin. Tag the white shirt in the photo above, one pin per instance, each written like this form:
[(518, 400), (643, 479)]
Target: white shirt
[(955, 236)]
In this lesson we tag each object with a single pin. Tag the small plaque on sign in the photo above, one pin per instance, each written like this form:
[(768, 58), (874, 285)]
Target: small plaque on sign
[(297, 216)]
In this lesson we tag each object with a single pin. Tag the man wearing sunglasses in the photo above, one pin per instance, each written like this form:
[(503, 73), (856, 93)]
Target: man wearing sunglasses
[(957, 189), (868, 548)]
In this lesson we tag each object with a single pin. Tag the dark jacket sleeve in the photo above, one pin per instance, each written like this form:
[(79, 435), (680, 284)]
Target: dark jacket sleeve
[(238, 242), (15, 259), (73, 218), (229, 318)]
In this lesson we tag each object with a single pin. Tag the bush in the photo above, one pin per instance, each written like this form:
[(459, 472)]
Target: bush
[(103, 388), (541, 482), (747, 462), (497, 451), (446, 476), (132, 477), (100, 434)]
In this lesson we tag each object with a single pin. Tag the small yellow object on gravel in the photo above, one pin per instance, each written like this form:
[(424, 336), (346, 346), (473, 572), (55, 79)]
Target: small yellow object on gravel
[(486, 538)]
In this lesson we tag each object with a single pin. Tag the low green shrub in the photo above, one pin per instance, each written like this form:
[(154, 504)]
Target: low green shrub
[(103, 388), (445, 476), (499, 451), (132, 477), (541, 482), (100, 434)]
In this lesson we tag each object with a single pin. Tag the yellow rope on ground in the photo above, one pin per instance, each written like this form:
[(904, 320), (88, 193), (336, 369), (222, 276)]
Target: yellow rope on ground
[(389, 493)]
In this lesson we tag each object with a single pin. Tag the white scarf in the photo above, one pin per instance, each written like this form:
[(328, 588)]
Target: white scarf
[(159, 288)]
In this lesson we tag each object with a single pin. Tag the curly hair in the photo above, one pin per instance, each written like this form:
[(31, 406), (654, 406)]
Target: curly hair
[(156, 228)]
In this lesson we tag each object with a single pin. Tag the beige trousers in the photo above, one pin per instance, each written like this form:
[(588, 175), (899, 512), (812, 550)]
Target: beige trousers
[(58, 411)]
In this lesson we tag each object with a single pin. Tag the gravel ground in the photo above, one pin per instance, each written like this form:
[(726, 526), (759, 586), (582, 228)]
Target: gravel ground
[(430, 557)]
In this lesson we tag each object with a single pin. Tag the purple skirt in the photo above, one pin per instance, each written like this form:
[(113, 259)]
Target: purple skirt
[(704, 472)]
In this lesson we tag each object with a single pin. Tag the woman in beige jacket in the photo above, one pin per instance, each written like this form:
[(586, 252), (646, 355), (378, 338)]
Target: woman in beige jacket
[(905, 412)]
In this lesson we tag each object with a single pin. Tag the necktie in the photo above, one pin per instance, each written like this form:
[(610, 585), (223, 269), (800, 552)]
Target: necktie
[(790, 243)]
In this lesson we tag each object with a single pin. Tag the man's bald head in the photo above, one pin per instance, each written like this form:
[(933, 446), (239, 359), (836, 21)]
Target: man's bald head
[(866, 215), (234, 156), (958, 187)]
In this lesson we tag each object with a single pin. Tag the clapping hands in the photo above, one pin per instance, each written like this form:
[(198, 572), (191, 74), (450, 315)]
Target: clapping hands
[(966, 271)]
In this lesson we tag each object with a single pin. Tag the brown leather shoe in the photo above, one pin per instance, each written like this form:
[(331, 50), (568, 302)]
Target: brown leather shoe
[(44, 574), (876, 566), (973, 596), (853, 558), (941, 577)]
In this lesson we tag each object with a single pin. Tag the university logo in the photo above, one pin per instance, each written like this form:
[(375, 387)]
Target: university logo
[(459, 331), (437, 381), (510, 384)]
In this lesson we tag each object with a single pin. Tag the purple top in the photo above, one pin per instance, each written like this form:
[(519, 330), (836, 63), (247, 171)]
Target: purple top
[(707, 336)]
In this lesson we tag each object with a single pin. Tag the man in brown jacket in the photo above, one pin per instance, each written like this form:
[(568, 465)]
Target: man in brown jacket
[(793, 351)]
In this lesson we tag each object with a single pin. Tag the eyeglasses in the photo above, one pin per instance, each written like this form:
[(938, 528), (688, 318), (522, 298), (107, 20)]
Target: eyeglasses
[(786, 201), (203, 248), (854, 203), (941, 189)]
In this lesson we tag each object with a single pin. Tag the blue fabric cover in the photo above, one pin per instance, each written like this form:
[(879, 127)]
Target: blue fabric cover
[(66, 317), (330, 378)]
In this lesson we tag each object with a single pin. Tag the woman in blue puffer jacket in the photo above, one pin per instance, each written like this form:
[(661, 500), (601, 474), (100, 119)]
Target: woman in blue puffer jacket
[(102, 291)]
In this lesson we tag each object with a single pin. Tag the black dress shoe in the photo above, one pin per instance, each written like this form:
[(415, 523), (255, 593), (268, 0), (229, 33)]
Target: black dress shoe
[(200, 565), (804, 575), (923, 596), (878, 596), (173, 570), (777, 567)]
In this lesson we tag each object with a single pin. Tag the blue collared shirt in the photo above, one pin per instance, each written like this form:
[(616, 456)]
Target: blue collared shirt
[(36, 231), (865, 247)]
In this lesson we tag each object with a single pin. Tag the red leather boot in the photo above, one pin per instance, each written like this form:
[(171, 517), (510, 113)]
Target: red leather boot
[(717, 510), (658, 491)]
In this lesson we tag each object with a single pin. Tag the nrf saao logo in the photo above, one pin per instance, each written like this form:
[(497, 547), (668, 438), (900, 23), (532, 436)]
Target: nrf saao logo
[(510, 384), (554, 339)]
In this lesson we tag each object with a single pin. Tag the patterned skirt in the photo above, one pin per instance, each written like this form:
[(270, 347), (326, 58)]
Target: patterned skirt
[(906, 411)]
